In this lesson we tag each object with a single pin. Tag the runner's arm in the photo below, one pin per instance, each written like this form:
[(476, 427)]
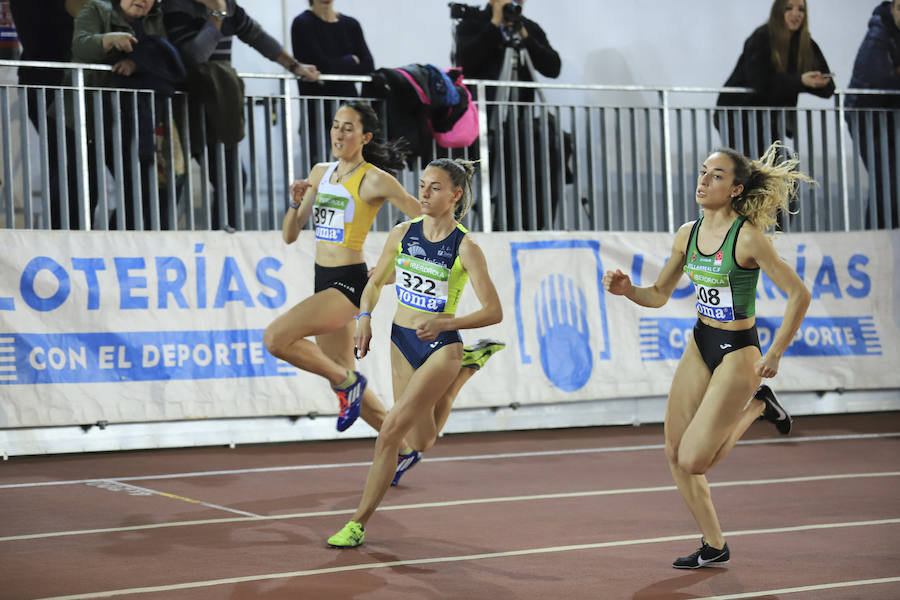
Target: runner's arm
[(760, 248), (296, 218), (378, 186), (658, 294), (491, 311), (384, 270)]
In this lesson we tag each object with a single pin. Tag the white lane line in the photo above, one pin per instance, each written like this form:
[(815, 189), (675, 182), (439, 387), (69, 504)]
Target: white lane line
[(805, 588), (35, 536), (460, 558), (823, 438), (184, 499), (444, 504)]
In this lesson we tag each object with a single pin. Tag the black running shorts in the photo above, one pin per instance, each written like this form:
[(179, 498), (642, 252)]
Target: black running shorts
[(350, 280), (715, 343)]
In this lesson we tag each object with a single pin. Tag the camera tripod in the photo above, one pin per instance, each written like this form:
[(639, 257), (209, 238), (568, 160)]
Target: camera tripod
[(514, 55)]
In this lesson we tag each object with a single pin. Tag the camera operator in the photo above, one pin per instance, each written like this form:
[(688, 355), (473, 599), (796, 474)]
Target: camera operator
[(487, 40), (482, 37)]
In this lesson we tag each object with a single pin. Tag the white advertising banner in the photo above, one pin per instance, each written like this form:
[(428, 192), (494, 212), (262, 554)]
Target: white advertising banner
[(142, 326)]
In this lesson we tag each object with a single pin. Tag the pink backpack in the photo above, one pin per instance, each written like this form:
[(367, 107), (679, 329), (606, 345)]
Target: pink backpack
[(465, 130)]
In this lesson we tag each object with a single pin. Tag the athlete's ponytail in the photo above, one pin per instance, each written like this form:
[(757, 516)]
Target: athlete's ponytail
[(769, 185), (461, 172), (388, 156)]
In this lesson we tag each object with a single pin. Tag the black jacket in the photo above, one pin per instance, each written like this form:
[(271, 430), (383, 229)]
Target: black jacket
[(755, 70), (45, 32), (480, 48), (877, 61), (330, 46)]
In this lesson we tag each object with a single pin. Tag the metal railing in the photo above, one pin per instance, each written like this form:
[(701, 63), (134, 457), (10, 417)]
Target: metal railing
[(580, 165)]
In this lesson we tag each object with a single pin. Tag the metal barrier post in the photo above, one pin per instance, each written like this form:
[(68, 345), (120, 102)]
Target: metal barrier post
[(667, 159), (288, 149), (26, 164), (288, 131), (44, 145), (270, 173), (81, 152), (288, 159), (5, 124), (484, 160)]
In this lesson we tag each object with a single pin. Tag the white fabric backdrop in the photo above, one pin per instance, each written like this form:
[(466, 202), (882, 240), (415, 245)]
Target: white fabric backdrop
[(140, 326)]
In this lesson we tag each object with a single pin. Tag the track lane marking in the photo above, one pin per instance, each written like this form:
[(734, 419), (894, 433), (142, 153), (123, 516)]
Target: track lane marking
[(186, 475), (805, 588), (444, 504), (185, 499), (459, 558)]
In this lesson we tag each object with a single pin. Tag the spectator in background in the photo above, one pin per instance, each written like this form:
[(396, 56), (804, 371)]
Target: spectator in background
[(780, 60), (203, 30), (73, 7), (483, 38), (129, 35), (334, 42), (9, 41), (45, 33), (877, 67)]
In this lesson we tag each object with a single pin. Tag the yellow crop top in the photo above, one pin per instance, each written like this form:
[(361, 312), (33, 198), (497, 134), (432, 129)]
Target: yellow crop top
[(340, 216)]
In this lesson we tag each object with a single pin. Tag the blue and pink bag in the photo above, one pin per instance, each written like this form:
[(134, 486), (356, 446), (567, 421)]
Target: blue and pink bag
[(452, 125)]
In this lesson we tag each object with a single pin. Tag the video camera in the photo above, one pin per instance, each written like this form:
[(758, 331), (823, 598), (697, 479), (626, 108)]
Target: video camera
[(462, 11), (512, 12)]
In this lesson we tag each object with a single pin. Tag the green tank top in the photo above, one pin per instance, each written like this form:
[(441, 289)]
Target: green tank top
[(725, 290)]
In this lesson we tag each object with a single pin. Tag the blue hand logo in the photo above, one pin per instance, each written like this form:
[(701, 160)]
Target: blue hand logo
[(561, 317), (563, 333)]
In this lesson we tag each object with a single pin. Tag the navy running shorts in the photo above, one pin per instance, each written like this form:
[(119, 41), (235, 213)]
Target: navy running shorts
[(415, 350)]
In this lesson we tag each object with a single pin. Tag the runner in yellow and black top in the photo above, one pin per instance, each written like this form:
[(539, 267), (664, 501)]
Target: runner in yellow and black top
[(432, 257), (343, 198), (723, 252), (340, 216)]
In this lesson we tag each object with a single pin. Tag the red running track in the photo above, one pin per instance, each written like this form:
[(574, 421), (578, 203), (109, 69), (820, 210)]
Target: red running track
[(578, 513)]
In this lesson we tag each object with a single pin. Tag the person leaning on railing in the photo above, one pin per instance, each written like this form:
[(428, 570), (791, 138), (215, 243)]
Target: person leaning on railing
[(780, 60), (129, 35), (203, 31), (877, 66)]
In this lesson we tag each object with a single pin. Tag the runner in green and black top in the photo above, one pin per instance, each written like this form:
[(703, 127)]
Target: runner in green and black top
[(725, 290), (723, 252), (433, 257)]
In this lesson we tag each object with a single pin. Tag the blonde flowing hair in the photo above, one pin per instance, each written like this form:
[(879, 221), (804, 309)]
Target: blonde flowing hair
[(461, 172), (769, 184)]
